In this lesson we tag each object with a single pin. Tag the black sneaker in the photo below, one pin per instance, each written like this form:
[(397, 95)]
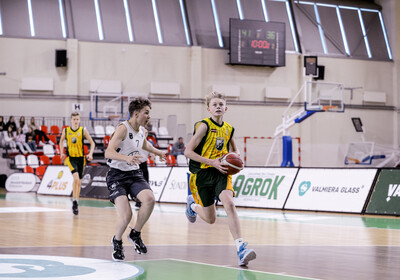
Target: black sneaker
[(75, 207), (136, 240), (138, 204), (118, 250)]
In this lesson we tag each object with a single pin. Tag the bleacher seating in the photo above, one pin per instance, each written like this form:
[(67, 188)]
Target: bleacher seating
[(110, 129), (158, 161), (181, 160), (169, 148), (53, 127), (106, 141), (48, 150), (171, 161), (44, 160), (44, 128), (29, 169), (99, 131), (85, 150), (56, 160), (150, 162), (55, 130), (20, 161), (33, 161), (40, 171), (152, 141), (57, 149), (53, 138)]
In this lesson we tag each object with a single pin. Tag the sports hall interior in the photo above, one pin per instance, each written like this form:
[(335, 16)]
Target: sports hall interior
[(174, 52)]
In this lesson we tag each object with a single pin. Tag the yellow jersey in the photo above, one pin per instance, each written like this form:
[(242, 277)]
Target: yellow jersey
[(74, 142), (214, 144)]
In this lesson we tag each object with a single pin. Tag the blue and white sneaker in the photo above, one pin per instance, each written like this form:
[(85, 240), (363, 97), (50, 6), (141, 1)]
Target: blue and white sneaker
[(190, 214), (245, 255)]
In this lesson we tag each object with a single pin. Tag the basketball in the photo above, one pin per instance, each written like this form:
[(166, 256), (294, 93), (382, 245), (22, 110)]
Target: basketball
[(233, 162)]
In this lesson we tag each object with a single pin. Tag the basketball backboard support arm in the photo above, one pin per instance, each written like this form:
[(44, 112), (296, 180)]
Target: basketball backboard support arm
[(318, 97)]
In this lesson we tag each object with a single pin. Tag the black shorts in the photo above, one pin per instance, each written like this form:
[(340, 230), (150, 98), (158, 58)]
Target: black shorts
[(76, 164), (125, 182), (210, 183)]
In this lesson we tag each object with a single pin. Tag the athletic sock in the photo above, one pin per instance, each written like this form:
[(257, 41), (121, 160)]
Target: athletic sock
[(238, 243), (193, 206)]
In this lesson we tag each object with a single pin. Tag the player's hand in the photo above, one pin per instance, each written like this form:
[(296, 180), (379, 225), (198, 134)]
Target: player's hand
[(163, 156), (89, 157), (218, 165), (63, 157), (134, 159)]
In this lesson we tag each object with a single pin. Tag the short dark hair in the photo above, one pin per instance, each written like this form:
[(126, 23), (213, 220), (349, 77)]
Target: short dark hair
[(138, 104)]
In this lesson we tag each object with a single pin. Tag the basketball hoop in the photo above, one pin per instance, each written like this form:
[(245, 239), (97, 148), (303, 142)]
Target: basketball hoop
[(111, 117), (330, 108)]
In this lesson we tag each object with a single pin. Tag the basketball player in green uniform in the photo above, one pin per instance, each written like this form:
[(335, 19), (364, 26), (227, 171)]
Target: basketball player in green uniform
[(74, 157), (212, 139)]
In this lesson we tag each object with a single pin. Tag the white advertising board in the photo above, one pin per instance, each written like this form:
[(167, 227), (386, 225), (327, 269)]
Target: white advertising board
[(176, 189), (157, 178), (263, 187), (57, 180), (21, 182), (338, 190)]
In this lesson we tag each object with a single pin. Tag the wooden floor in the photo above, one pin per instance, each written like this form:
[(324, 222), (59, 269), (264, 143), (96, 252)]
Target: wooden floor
[(290, 245)]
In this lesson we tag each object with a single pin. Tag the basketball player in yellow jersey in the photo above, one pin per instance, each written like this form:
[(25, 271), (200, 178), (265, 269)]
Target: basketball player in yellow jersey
[(211, 140), (75, 157)]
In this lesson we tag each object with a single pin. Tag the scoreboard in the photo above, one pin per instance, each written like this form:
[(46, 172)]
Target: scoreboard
[(254, 42)]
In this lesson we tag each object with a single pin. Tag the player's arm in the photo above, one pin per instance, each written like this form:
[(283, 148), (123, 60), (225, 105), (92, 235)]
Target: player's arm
[(201, 131), (149, 148), (111, 151), (92, 144), (61, 144), (233, 147)]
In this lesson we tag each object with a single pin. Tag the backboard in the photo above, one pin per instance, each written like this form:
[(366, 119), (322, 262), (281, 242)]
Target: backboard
[(321, 96)]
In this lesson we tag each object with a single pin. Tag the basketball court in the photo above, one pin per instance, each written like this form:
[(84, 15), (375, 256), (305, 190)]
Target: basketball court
[(42, 239)]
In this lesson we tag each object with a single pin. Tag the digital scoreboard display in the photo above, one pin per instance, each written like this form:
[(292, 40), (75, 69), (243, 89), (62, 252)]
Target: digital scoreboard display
[(254, 42)]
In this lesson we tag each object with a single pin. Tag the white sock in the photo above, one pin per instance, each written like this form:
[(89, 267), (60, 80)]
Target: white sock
[(238, 243), (193, 206)]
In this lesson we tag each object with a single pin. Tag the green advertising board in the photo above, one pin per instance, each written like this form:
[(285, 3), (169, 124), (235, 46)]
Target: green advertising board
[(385, 198)]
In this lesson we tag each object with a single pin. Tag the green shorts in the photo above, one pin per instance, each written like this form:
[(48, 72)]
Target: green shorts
[(210, 183)]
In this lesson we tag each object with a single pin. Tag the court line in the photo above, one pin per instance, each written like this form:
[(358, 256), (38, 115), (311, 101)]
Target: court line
[(235, 268), (202, 245)]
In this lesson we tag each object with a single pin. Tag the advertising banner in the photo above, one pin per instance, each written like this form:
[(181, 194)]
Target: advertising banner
[(94, 182), (176, 189), (338, 190), (21, 182), (157, 178), (385, 198), (263, 187), (57, 180)]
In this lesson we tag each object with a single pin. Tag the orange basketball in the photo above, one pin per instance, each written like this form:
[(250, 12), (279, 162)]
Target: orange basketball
[(233, 162)]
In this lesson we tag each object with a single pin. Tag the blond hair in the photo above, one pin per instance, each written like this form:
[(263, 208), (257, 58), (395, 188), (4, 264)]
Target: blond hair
[(74, 114), (214, 94)]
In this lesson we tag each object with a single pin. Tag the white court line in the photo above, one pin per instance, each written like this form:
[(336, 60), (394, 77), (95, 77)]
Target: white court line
[(235, 268)]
